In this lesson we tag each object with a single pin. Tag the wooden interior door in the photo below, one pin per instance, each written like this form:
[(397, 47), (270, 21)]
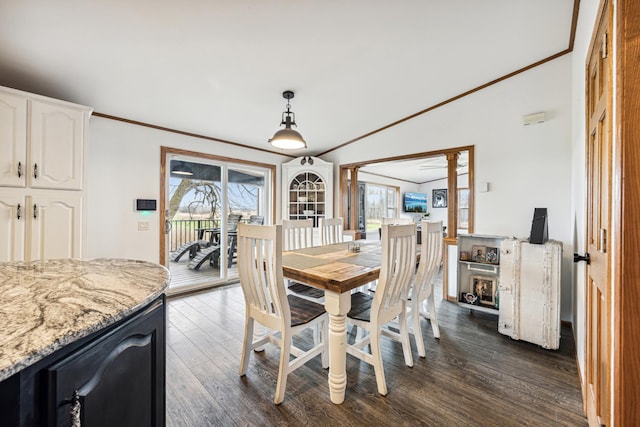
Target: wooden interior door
[(598, 280)]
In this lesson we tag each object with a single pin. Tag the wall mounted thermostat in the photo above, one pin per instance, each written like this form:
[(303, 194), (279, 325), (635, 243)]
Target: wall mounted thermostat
[(146, 205)]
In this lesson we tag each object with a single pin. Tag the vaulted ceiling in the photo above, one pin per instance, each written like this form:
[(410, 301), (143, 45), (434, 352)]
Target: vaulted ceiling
[(218, 68)]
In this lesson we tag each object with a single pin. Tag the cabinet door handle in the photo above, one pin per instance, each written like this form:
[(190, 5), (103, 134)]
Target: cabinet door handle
[(19, 169), (18, 211), (35, 171), (35, 211)]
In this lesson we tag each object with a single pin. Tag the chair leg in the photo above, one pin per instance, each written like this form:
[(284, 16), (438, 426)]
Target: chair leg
[(376, 356), (433, 316), (283, 372), (246, 345), (259, 332), (404, 336), (416, 325)]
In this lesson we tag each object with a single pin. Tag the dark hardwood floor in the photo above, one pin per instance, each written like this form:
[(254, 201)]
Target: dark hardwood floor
[(471, 376)]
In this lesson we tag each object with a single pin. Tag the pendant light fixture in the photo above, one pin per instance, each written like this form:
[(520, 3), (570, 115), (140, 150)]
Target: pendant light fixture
[(287, 138)]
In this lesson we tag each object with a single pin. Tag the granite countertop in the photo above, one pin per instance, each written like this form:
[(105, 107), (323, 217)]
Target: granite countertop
[(45, 305)]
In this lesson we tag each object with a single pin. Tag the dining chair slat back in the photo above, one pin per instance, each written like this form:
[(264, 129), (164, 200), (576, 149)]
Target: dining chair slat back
[(297, 233), (261, 272), (430, 260), (331, 230), (392, 220), (396, 221), (267, 302), (397, 270), (389, 302)]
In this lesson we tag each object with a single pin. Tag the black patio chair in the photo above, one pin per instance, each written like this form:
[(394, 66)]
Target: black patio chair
[(212, 253)]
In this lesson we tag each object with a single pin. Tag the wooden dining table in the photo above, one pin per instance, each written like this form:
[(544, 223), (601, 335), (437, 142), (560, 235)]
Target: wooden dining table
[(337, 270)]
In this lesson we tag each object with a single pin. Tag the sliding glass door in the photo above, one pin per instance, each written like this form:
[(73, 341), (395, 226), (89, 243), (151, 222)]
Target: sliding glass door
[(204, 202)]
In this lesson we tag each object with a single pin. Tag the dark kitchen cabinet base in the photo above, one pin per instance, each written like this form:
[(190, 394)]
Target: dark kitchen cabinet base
[(113, 377)]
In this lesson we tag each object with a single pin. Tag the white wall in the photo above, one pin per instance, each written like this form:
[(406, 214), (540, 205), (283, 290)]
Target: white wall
[(123, 165), (586, 23), (526, 166)]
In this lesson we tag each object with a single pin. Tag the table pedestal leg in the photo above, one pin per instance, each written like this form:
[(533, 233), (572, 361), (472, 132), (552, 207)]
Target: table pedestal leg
[(337, 305)]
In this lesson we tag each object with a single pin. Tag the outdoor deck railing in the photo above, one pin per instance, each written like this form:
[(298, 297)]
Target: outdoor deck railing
[(186, 230)]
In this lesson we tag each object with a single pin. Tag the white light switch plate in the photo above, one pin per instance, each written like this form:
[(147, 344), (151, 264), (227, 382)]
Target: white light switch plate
[(143, 225)]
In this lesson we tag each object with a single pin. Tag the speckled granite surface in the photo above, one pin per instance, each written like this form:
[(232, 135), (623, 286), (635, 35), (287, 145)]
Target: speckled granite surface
[(45, 305)]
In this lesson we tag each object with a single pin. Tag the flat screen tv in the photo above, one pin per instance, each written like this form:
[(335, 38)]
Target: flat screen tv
[(415, 202)]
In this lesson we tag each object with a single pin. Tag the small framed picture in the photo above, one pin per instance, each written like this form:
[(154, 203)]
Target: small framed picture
[(492, 255), (478, 254), (439, 197), (464, 256), (485, 289), (469, 298)]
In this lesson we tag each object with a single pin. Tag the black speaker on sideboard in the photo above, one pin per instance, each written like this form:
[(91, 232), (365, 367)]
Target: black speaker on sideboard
[(539, 227)]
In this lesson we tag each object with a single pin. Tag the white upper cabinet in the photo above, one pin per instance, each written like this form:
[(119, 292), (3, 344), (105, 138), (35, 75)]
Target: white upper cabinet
[(57, 141), (12, 227), (44, 139), (55, 225), (13, 139), (42, 143)]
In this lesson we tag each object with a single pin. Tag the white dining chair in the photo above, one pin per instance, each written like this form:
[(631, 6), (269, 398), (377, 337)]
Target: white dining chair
[(298, 234), (422, 289), (392, 220), (389, 301), (388, 221), (398, 220), (331, 230), (267, 302)]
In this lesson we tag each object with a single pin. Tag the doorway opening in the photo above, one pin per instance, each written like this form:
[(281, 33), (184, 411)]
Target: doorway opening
[(431, 174)]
